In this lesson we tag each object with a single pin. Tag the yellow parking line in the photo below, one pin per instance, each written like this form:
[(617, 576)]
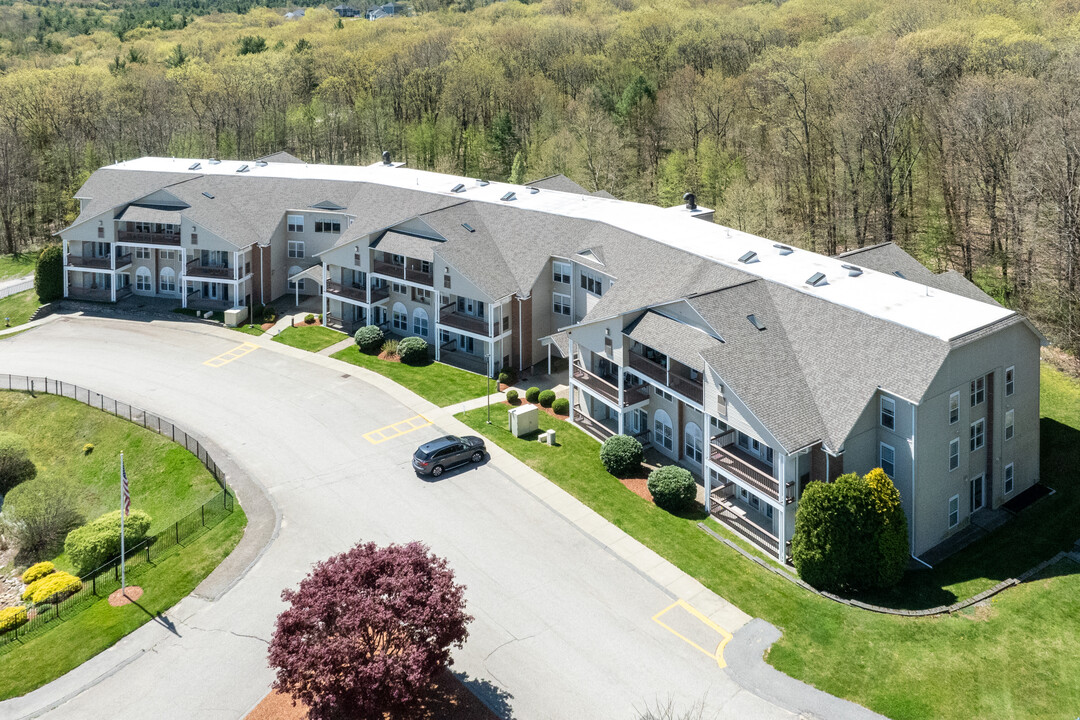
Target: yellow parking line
[(718, 653), (397, 429), (227, 357)]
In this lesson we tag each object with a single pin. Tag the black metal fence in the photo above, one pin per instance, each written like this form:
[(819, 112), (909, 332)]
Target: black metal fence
[(106, 579), (101, 582)]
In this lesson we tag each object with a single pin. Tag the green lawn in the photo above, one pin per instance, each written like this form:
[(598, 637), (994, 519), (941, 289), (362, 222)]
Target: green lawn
[(250, 329), (165, 479), (217, 316), (13, 266), (18, 307), (441, 384), (312, 338), (51, 653), (1017, 657)]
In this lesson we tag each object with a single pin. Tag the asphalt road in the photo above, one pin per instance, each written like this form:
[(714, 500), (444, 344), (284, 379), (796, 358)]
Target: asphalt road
[(563, 627)]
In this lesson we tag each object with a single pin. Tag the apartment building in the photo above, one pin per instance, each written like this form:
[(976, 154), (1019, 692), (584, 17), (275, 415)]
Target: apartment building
[(758, 366)]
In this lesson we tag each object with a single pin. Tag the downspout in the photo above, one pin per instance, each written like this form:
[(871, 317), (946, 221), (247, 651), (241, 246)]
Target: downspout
[(914, 464), (521, 340)]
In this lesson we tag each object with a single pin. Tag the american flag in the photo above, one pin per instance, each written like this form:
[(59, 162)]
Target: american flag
[(125, 496)]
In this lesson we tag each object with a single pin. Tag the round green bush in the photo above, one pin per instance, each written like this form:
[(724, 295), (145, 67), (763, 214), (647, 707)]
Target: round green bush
[(532, 394), (622, 455), (672, 488), (49, 274), (269, 314), (309, 319), (510, 374), (512, 396), (38, 571), (15, 463), (413, 351), (561, 406), (98, 542), (504, 379), (369, 339), (546, 398)]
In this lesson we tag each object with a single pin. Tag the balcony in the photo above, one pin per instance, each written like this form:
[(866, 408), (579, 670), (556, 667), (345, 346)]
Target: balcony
[(649, 368), (418, 276), (220, 272), (351, 292), (756, 474), (723, 507), (381, 267), (96, 294), (149, 238), (98, 263), (690, 389), (632, 394), (594, 427), (449, 317)]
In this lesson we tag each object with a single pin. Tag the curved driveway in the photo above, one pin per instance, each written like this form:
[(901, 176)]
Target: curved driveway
[(564, 626)]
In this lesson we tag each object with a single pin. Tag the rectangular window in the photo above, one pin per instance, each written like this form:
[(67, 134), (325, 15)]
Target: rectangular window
[(446, 281), (954, 408), (401, 321), (954, 511), (888, 413), (1010, 417), (398, 288), (142, 253), (560, 304), (978, 390), (608, 347), (560, 272), (168, 254), (887, 459), (327, 226), (954, 454), (194, 238), (296, 248), (667, 396), (978, 434), (977, 493), (1010, 375), (1008, 478), (101, 232), (591, 283), (296, 223)]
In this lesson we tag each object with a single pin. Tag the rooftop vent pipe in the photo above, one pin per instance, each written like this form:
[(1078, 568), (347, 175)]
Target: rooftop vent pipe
[(691, 201), (386, 157)]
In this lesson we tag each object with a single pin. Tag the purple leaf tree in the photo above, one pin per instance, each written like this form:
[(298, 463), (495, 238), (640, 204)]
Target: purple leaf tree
[(367, 631)]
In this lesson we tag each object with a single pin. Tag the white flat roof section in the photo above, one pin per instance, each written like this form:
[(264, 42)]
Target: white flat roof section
[(931, 312)]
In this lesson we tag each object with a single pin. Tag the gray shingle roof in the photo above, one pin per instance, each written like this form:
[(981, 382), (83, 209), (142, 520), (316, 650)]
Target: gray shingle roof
[(676, 340), (139, 213), (412, 246)]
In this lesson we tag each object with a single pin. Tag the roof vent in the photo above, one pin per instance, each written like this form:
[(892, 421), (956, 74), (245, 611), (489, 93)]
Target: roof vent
[(261, 163), (533, 190), (817, 279), (508, 196), (242, 168), (691, 201), (481, 182), (784, 249), (458, 188), (468, 227), (853, 270), (755, 322), (195, 166), (215, 161), (206, 194), (748, 257), (386, 157), (899, 274)]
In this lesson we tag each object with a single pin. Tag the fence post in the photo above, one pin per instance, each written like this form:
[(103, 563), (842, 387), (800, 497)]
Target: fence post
[(176, 527), (203, 509), (93, 584)]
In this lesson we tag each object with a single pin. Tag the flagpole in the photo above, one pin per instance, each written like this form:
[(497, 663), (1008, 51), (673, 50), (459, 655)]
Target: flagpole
[(123, 576)]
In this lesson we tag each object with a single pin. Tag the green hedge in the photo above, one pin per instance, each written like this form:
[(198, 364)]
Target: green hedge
[(622, 455), (561, 406), (98, 542), (532, 394), (49, 274), (672, 488), (512, 396), (413, 351), (547, 397)]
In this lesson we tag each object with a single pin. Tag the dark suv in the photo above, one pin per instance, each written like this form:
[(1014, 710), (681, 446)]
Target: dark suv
[(432, 458)]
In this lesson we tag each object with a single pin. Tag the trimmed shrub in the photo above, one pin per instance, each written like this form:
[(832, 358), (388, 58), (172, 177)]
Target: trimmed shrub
[(512, 396), (892, 539), (52, 588), (561, 406), (622, 455), (389, 349), (532, 394), (38, 571), (413, 351), (510, 374), (369, 339), (98, 542), (49, 274), (672, 487), (504, 379), (546, 398), (309, 319), (269, 314), (40, 514), (12, 617), (15, 463)]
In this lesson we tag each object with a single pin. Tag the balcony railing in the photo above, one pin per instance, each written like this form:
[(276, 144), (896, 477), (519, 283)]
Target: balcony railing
[(96, 294), (631, 393), (593, 427), (648, 368), (449, 317), (149, 238), (734, 517), (418, 276), (98, 263), (347, 291), (726, 454), (382, 267), (690, 389), (195, 269)]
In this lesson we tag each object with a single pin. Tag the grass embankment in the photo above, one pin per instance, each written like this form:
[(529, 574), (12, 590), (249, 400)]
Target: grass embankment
[(250, 329), (50, 654), (19, 265), (1016, 657), (438, 383), (18, 308), (312, 338)]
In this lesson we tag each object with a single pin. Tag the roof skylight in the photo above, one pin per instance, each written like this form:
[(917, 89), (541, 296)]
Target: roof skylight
[(468, 227), (458, 188), (206, 194), (817, 279), (242, 168), (748, 257), (784, 249), (853, 270), (755, 322), (195, 166), (508, 196)]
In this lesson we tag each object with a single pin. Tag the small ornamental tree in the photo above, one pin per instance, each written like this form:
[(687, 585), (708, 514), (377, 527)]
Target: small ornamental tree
[(622, 455), (413, 351), (40, 513), (369, 339), (367, 630), (49, 274), (892, 539), (672, 488), (15, 463)]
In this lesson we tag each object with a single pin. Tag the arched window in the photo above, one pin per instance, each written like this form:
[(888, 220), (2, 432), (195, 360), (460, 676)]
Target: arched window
[(693, 442), (420, 322), (143, 280), (298, 285), (663, 434), (167, 281), (400, 318)]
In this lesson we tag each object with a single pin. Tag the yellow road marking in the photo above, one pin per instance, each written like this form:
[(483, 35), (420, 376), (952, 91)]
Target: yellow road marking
[(234, 354), (397, 429), (718, 653)]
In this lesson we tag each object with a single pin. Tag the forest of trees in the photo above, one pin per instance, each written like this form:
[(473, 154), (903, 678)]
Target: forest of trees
[(949, 127)]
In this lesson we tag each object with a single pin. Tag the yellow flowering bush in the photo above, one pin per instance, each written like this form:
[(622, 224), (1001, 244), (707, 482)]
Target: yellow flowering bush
[(52, 588), (38, 571), (12, 617)]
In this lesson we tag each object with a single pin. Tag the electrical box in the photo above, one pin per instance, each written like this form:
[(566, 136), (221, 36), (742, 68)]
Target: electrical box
[(524, 420), (236, 316)]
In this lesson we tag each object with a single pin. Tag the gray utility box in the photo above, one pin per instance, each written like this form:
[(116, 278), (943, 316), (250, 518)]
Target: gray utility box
[(236, 316), (524, 420), (548, 437)]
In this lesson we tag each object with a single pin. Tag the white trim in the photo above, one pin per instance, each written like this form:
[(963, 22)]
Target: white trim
[(955, 442), (954, 396), (972, 447), (891, 404), (881, 459), (1008, 475), (1010, 424), (1011, 370), (948, 515)]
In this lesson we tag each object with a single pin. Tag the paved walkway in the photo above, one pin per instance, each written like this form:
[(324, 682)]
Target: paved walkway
[(573, 617)]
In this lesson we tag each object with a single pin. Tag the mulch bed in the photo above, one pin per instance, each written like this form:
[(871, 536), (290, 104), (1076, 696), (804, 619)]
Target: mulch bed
[(266, 326), (119, 598), (389, 358), (638, 486), (448, 700), (538, 406)]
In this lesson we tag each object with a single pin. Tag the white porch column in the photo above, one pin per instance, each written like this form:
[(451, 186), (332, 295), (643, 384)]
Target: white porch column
[(435, 325), (622, 411), (549, 359), (112, 286), (491, 342), (705, 474), (323, 293), (570, 374), (66, 250), (183, 278)]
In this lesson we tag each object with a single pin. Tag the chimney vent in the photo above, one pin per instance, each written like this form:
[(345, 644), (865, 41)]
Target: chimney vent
[(691, 201), (386, 157)]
